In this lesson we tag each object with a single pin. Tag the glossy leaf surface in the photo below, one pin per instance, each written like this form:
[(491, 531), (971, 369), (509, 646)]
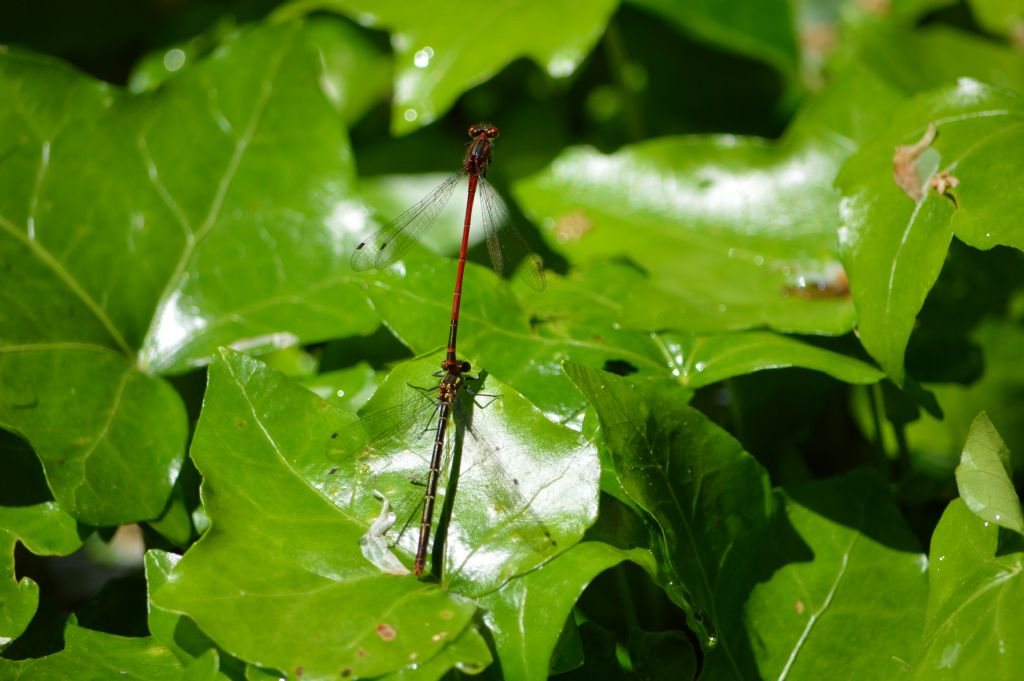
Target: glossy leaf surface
[(976, 593), (893, 247), (442, 50), (984, 477), (151, 229)]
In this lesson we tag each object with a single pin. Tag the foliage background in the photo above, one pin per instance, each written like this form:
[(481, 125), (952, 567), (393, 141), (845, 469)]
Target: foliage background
[(771, 356)]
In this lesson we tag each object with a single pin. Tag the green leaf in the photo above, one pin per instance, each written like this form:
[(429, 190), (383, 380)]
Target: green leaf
[(414, 301), (762, 30), (91, 654), (527, 615), (662, 655), (702, 360), (708, 497), (147, 230), (264, 447), (439, 53), (734, 232), (1000, 16), (976, 596), (893, 246), (179, 633), (984, 477), (849, 597), (45, 530), (263, 437), (89, 414)]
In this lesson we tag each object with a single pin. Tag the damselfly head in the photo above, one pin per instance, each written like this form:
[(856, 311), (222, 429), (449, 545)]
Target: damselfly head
[(483, 131)]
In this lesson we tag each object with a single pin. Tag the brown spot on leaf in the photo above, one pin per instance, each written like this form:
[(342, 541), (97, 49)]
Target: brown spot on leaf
[(904, 164), (880, 8), (447, 614), (346, 672), (299, 671), (361, 652), (386, 632), (242, 423), (572, 226), (799, 606), (334, 469), (942, 181)]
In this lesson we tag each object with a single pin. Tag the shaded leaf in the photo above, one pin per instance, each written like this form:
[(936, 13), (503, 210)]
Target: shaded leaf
[(527, 615), (849, 597), (763, 30), (95, 655), (984, 477), (45, 530), (709, 498)]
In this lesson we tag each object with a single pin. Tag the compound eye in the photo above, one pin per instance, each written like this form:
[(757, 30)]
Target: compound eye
[(474, 130), (465, 366), (492, 132)]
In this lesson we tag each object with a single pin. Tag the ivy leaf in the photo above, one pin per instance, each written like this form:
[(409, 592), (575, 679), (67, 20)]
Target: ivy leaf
[(976, 593), (439, 53), (93, 654), (849, 595), (45, 530), (893, 246), (984, 477), (734, 232), (140, 232), (709, 499), (262, 436), (763, 30), (527, 615)]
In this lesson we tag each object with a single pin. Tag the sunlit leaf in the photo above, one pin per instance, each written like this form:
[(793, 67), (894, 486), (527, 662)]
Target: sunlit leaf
[(444, 48), (977, 592), (893, 246), (140, 232), (984, 477)]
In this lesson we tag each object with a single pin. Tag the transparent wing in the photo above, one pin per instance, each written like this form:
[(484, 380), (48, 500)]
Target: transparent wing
[(511, 256), (394, 239), (509, 502)]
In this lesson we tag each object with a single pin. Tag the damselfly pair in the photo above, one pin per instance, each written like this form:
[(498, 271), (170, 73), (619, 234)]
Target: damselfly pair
[(510, 256)]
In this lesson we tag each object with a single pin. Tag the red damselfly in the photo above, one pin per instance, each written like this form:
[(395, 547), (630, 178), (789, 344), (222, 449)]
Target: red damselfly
[(509, 253)]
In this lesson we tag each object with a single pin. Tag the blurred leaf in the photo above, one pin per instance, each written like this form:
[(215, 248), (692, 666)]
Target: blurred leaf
[(414, 301), (527, 615), (147, 231), (441, 50), (1005, 17), (45, 530), (662, 655), (263, 437), (94, 655), (349, 388), (849, 598), (709, 498), (762, 30), (735, 232), (893, 247), (984, 477), (976, 596)]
